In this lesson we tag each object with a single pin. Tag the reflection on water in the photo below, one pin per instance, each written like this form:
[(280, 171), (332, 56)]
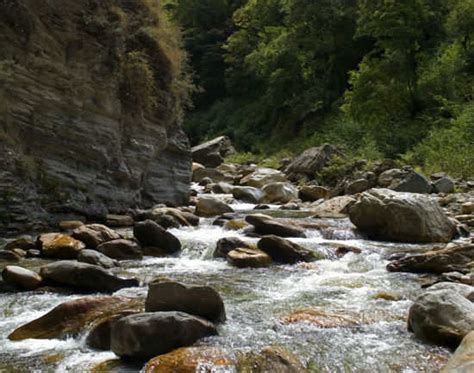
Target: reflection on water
[(257, 299)]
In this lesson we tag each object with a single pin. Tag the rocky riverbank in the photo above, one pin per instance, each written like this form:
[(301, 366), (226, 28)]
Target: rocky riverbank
[(180, 273)]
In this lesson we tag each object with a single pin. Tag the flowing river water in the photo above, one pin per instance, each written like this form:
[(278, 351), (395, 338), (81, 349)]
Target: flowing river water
[(355, 285)]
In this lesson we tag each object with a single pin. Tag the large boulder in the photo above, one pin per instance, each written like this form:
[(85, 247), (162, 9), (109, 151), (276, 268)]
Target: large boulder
[(99, 336), (59, 246), (444, 314), (151, 234), (146, 335), (247, 194), (190, 360), (265, 224), (94, 234), (463, 359), (96, 258), (84, 276), (72, 317), (121, 249), (201, 301), (21, 277), (444, 185), (248, 258), (285, 251), (213, 152), (311, 161), (280, 192), (453, 258), (209, 207), (402, 217), (263, 176), (414, 182)]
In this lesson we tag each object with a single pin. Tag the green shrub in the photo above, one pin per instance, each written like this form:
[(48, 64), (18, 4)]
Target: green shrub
[(137, 83), (449, 149)]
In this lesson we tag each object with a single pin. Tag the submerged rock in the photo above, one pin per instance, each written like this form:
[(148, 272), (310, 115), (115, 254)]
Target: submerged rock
[(270, 359), (121, 249), (403, 217), (209, 207), (151, 234), (59, 246), (146, 335), (84, 276), (319, 318), (444, 314), (190, 360), (71, 317), (248, 257), (450, 259), (201, 301), (94, 234), (21, 277), (285, 251), (265, 224)]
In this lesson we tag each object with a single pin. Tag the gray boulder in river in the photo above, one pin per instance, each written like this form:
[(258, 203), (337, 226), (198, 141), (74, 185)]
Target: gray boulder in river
[(402, 217), (444, 314), (146, 335), (201, 301), (84, 276)]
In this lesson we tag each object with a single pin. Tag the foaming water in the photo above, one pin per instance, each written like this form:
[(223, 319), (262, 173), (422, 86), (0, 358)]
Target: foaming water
[(258, 300)]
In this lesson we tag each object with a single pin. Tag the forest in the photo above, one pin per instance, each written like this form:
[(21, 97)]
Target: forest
[(378, 78)]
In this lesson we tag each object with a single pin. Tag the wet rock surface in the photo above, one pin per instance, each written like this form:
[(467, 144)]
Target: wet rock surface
[(146, 335), (201, 301), (403, 217)]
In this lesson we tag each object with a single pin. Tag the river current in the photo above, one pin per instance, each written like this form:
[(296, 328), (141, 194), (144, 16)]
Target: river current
[(257, 300)]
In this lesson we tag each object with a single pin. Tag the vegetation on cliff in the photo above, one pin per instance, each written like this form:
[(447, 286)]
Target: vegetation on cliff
[(379, 78)]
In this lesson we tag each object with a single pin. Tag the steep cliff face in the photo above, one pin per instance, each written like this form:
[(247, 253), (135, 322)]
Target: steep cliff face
[(91, 93)]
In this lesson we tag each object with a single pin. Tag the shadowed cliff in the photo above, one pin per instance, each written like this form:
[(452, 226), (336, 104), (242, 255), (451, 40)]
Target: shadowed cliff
[(91, 99)]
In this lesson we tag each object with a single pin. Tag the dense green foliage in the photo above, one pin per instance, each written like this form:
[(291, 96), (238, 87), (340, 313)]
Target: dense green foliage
[(390, 78)]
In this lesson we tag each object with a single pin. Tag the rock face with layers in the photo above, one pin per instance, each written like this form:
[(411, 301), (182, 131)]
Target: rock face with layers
[(76, 140), (401, 217)]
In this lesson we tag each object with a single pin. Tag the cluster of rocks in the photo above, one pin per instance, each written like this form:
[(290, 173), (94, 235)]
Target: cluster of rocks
[(86, 256), (159, 329)]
